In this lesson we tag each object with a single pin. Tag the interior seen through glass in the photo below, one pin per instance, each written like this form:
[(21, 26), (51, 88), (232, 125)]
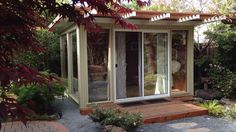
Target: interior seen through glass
[(134, 77), (155, 63), (130, 80), (128, 45), (64, 60), (179, 61), (75, 63), (97, 48)]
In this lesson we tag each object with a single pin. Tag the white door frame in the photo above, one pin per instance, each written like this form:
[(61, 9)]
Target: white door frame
[(131, 99)]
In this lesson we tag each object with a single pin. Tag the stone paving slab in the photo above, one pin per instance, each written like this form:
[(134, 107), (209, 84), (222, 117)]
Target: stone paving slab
[(193, 124), (33, 126)]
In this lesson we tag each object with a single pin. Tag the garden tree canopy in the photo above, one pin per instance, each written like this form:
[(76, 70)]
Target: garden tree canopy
[(49, 60), (213, 6), (18, 21), (223, 36)]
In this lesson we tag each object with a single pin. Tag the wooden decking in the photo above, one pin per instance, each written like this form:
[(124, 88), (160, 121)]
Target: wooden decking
[(159, 110)]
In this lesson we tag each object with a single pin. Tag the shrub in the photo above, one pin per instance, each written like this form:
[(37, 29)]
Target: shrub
[(49, 59), (214, 108), (222, 79), (230, 112), (130, 121), (100, 115), (125, 120), (38, 97)]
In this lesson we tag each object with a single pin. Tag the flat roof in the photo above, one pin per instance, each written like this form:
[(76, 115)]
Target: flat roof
[(167, 16)]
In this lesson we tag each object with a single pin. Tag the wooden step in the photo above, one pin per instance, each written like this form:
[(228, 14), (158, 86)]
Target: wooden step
[(159, 111)]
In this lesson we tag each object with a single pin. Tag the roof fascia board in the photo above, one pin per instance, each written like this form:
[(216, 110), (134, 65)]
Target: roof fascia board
[(147, 22), (69, 28)]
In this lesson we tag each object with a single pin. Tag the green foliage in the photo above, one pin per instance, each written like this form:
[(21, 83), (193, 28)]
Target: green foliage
[(223, 6), (130, 121), (230, 112), (43, 60), (218, 110), (223, 36), (214, 108), (222, 79), (38, 97), (203, 62), (125, 120), (132, 5)]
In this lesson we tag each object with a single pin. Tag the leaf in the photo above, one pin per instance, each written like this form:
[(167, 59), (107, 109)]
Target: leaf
[(19, 21)]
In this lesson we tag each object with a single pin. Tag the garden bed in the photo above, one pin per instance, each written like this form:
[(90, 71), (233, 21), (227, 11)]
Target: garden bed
[(223, 108)]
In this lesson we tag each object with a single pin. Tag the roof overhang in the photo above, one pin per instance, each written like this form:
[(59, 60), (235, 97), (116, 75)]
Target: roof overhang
[(158, 18)]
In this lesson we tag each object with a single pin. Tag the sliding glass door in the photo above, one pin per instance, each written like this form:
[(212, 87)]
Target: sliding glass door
[(141, 65), (128, 58), (155, 63)]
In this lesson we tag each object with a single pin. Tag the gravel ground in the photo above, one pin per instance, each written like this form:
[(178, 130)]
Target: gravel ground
[(77, 123), (72, 119), (194, 124)]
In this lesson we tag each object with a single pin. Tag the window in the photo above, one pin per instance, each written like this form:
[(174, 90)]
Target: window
[(64, 60), (179, 60), (74, 58), (97, 48)]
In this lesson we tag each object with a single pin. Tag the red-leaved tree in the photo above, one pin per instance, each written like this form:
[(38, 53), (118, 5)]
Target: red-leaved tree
[(18, 21)]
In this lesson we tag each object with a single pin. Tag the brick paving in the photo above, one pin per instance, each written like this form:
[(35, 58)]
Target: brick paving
[(71, 121), (33, 126)]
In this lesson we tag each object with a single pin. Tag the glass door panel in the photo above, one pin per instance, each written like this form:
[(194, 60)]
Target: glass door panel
[(155, 63), (128, 66)]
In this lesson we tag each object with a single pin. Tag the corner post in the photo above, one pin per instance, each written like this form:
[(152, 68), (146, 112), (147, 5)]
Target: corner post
[(190, 62), (82, 65)]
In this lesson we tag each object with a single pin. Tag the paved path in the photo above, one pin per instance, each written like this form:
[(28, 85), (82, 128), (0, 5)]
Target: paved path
[(77, 123), (72, 119), (33, 126)]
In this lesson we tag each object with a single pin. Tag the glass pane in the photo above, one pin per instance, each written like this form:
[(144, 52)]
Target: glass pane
[(155, 63), (75, 62), (128, 57), (97, 65), (179, 61), (64, 58)]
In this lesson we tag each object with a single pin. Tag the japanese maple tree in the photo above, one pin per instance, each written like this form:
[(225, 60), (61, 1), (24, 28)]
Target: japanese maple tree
[(18, 21)]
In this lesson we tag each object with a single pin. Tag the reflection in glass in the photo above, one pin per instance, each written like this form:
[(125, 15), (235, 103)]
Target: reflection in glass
[(64, 60), (179, 61), (155, 63), (97, 46), (75, 63)]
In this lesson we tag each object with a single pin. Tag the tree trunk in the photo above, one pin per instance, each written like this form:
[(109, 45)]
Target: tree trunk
[(151, 59)]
